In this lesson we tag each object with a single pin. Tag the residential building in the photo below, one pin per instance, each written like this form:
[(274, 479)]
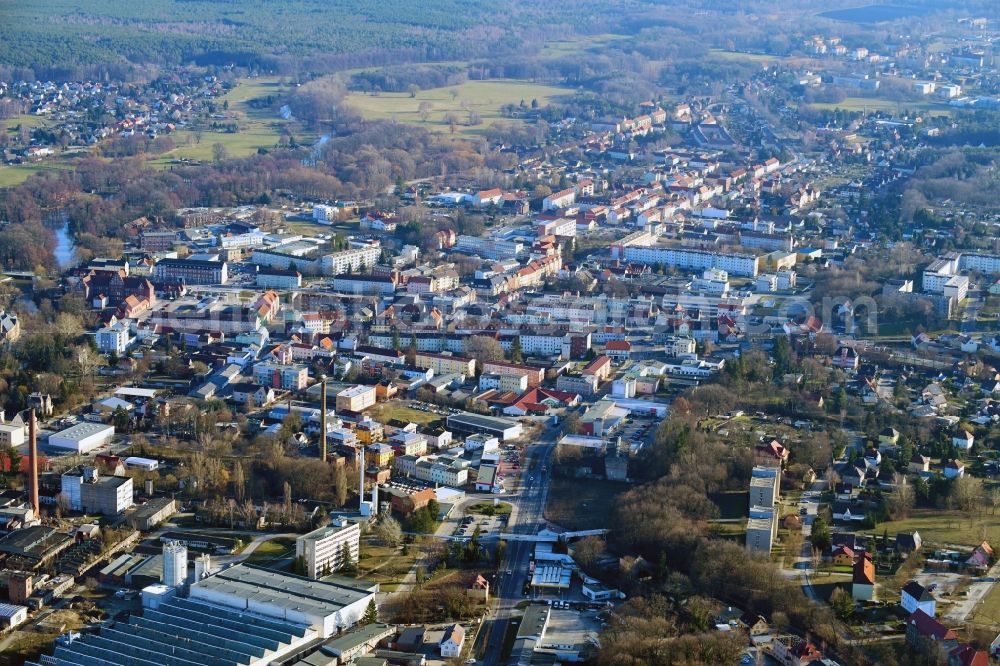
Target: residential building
[(535, 375), (915, 596), (452, 641), (356, 399), (290, 377), (355, 260), (191, 271), (863, 582), (272, 278), (327, 549), (443, 364), (114, 339), (10, 327)]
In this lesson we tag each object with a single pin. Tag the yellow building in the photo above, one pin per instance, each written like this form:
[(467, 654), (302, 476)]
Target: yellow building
[(378, 455), (442, 364), (369, 432)]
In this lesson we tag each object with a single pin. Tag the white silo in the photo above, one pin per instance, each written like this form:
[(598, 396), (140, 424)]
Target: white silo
[(202, 567), (175, 563)]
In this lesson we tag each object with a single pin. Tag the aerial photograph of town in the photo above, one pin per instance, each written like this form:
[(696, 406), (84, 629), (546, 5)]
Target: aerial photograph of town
[(500, 333)]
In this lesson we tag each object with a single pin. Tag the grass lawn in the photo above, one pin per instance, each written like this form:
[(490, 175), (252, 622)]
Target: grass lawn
[(394, 410), (825, 588), (482, 97), (578, 504), (386, 565), (489, 509), (272, 550), (946, 527), (987, 611)]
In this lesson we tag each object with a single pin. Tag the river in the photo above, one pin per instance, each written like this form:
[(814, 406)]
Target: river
[(65, 248)]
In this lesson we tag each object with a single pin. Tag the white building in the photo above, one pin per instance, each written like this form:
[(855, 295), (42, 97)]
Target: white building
[(325, 214), (83, 437), (326, 608), (350, 260), (114, 339), (324, 549), (175, 563), (689, 259)]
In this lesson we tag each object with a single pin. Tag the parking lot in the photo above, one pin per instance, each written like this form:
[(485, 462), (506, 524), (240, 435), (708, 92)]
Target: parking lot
[(636, 432), (489, 526)]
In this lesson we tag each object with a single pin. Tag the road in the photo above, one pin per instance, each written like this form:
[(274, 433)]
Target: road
[(527, 518)]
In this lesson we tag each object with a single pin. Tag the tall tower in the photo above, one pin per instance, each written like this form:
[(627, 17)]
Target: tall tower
[(322, 418), (361, 479), (175, 563), (33, 462)]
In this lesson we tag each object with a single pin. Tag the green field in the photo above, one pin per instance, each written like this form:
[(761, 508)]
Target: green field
[(875, 104), (259, 128), (563, 48), (11, 176), (481, 97), (946, 527), (740, 56)]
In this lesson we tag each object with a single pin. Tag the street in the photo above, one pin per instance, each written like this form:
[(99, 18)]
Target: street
[(526, 518)]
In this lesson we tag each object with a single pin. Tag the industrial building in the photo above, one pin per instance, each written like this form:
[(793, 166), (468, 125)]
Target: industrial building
[(324, 549), (83, 437), (325, 608), (185, 632), (502, 429), (152, 513), (85, 489)]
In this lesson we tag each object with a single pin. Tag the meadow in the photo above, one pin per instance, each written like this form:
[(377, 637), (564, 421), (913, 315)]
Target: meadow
[(484, 98)]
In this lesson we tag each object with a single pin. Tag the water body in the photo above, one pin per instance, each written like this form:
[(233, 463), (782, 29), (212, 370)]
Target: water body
[(65, 248), (875, 13)]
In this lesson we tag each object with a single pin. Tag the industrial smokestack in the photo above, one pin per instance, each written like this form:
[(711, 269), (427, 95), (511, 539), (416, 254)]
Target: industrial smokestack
[(361, 479), (33, 462), (322, 418)]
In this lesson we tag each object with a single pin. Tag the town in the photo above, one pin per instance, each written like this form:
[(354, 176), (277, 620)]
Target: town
[(707, 372)]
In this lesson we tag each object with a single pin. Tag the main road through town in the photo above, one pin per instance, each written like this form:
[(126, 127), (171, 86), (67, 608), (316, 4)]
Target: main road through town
[(528, 501)]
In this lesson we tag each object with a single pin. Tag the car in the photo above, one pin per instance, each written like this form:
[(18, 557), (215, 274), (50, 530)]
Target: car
[(509, 571)]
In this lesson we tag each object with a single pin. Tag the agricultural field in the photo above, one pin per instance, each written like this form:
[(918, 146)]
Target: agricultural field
[(484, 98)]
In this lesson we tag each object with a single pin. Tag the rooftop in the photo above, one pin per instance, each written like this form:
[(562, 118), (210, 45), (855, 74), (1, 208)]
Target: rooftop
[(266, 587)]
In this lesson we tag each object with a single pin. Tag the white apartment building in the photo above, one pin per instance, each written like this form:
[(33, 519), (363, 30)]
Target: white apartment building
[(114, 339), (689, 259), (350, 260), (488, 248), (324, 549), (291, 377)]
